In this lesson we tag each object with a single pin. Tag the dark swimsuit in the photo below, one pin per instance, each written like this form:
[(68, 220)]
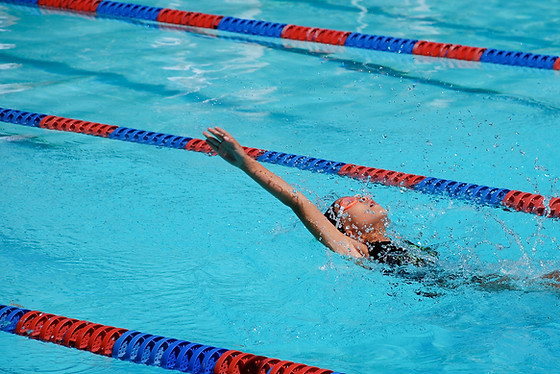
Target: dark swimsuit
[(392, 254)]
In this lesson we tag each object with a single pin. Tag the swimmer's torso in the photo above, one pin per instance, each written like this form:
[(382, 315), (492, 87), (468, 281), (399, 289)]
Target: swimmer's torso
[(392, 254)]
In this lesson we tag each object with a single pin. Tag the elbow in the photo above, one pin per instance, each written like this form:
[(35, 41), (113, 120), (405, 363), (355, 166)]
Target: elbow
[(298, 204)]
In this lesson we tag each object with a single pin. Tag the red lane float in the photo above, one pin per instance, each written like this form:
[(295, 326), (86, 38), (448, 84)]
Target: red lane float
[(61, 329), (555, 207), (386, 177), (194, 19), (47, 332), (225, 360), (89, 6), (97, 340), (37, 325), (525, 202), (82, 337), (432, 49), (462, 52), (72, 334), (254, 152), (74, 125), (314, 34), (455, 51), (199, 145), (26, 321)]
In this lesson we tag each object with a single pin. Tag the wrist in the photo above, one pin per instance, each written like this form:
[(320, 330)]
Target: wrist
[(247, 163)]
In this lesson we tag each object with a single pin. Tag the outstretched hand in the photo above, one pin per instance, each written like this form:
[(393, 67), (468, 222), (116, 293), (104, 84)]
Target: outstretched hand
[(226, 146)]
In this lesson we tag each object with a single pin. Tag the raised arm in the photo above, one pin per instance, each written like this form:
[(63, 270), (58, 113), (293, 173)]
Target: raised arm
[(230, 150)]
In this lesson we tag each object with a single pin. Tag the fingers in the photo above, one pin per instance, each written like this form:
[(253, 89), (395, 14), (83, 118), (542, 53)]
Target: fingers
[(221, 134), (211, 141), (207, 135), (215, 136), (218, 133), (224, 133)]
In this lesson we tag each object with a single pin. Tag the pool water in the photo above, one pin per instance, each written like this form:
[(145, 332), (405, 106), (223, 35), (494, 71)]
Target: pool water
[(183, 245)]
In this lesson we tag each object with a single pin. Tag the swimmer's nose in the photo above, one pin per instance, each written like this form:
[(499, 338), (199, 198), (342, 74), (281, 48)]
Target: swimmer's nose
[(369, 200)]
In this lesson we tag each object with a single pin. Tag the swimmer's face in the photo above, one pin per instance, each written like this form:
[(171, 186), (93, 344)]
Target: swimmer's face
[(362, 218)]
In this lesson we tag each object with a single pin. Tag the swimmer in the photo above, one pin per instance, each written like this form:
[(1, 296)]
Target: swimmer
[(354, 226)]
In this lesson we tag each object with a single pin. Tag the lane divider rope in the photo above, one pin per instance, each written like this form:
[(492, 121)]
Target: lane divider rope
[(142, 348), (302, 33), (478, 194)]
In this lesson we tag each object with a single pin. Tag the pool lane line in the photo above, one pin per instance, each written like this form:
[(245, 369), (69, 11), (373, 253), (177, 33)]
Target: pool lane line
[(141, 348), (478, 194), (302, 33)]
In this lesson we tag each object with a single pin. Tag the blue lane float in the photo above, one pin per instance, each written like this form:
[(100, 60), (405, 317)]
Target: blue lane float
[(251, 27), (380, 43), (115, 9)]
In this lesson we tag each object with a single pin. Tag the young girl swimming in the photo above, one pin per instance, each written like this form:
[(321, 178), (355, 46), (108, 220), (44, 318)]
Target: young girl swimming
[(353, 225)]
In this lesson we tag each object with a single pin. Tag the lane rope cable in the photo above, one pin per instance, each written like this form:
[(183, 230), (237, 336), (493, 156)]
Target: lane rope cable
[(142, 348), (477, 194), (301, 33)]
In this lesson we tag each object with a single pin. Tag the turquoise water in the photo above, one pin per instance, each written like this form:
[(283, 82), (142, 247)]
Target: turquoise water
[(183, 245)]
